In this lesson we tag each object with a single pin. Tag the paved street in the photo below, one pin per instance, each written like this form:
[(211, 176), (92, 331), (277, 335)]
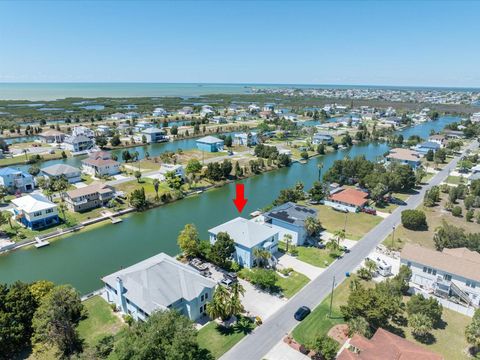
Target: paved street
[(266, 336)]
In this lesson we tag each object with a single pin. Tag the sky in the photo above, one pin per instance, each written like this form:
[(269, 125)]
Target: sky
[(314, 42)]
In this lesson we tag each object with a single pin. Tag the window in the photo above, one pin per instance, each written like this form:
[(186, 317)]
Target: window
[(471, 284), (38, 213), (425, 269), (201, 298), (409, 264), (206, 296), (48, 211), (201, 309), (447, 277), (429, 270)]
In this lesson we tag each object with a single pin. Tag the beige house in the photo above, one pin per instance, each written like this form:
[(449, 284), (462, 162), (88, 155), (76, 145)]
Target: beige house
[(52, 136), (89, 197)]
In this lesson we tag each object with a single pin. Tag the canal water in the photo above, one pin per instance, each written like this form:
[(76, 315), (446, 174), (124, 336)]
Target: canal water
[(82, 259)]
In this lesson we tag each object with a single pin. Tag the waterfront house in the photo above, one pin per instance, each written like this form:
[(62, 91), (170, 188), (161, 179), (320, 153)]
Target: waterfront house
[(207, 110), (52, 136), (83, 130), (451, 272), (253, 108), (78, 143), (16, 180), (268, 107), (103, 130), (98, 166), (218, 120), (186, 110), (247, 235), (177, 169), (143, 125), (159, 112), (384, 345), (89, 197), (438, 139), (289, 218), (72, 174), (131, 115), (393, 120), (475, 117), (454, 134), (118, 116), (289, 116), (159, 283), (347, 199), (123, 128), (246, 139), (154, 135), (404, 157), (322, 138), (35, 211), (210, 144), (426, 146)]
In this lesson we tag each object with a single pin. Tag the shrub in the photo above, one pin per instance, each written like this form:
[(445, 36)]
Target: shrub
[(469, 215), (457, 211), (414, 219)]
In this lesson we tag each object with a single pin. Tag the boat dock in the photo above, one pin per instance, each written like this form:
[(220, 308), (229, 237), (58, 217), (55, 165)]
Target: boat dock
[(40, 243)]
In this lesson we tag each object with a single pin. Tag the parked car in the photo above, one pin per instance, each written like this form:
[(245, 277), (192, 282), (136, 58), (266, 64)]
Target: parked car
[(226, 282), (231, 275), (369, 210), (301, 313)]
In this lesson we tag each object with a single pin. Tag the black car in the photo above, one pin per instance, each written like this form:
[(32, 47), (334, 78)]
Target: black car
[(301, 313)]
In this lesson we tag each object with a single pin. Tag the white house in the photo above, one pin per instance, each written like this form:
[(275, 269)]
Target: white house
[(14, 180), (103, 130), (83, 130), (186, 110), (35, 211), (159, 112), (72, 174), (118, 116), (247, 235), (78, 143), (167, 168), (245, 139), (475, 117), (159, 283), (154, 135), (98, 167), (451, 272)]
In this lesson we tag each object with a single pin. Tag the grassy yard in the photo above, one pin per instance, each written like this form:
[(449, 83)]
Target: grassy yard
[(20, 160), (455, 180), (292, 284), (312, 255), (101, 321), (218, 340), (449, 340), (319, 322), (146, 183), (435, 215), (357, 224)]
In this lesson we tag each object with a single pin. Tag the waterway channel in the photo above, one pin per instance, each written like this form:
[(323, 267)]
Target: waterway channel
[(82, 259)]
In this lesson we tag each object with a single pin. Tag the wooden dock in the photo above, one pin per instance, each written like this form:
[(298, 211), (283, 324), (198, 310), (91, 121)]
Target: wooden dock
[(40, 243)]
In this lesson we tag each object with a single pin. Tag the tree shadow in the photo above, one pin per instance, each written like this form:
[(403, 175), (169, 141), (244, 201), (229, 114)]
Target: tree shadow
[(395, 330), (427, 339), (442, 324)]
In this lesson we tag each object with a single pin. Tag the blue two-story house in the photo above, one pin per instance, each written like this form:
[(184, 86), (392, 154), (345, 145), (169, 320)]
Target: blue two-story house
[(35, 211), (247, 235), (210, 144), (426, 146), (159, 283), (289, 219), (15, 180)]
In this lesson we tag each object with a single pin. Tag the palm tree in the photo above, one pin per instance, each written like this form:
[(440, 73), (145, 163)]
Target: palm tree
[(237, 291), (312, 226), (156, 184), (339, 236), (287, 238), (219, 306), (261, 256), (25, 151), (333, 245), (62, 208)]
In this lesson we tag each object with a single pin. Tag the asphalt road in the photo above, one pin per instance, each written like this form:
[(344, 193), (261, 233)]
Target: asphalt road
[(262, 339)]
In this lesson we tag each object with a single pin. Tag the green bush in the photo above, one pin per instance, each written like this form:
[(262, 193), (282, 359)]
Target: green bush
[(457, 211), (414, 219)]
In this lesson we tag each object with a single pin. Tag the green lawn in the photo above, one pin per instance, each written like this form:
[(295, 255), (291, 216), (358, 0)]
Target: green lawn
[(319, 321), (218, 340), (455, 180), (312, 255), (292, 284), (100, 321), (356, 224), (147, 184)]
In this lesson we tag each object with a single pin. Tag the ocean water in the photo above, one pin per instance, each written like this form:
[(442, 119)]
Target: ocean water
[(52, 91)]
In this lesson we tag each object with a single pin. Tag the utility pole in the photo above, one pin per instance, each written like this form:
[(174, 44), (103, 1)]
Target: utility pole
[(393, 237), (345, 224), (331, 297)]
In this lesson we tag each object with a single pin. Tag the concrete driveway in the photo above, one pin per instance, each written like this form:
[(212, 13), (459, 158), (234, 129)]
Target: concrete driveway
[(283, 351), (288, 261), (260, 303)]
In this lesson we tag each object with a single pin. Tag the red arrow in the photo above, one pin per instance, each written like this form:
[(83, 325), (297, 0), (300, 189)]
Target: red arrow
[(240, 200)]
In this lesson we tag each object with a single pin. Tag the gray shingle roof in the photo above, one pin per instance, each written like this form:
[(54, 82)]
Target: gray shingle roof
[(60, 169), (159, 281), (244, 232), (210, 140)]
